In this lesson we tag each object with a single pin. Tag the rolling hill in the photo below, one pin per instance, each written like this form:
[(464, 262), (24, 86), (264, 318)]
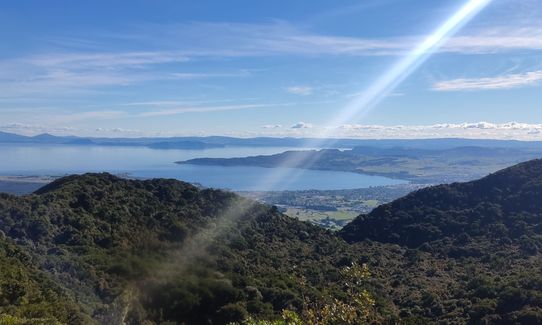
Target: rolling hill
[(500, 208), (98, 249), (115, 250), (485, 235)]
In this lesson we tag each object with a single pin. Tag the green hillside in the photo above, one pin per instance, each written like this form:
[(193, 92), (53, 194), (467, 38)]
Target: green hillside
[(159, 250), (485, 234), (97, 249)]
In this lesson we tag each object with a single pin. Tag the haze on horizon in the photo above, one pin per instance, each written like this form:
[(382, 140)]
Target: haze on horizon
[(240, 68)]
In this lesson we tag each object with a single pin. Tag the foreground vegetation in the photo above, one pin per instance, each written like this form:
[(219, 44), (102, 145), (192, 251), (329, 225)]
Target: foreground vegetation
[(100, 249), (484, 239), (159, 251)]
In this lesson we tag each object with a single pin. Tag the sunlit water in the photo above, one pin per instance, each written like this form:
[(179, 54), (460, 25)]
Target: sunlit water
[(151, 163)]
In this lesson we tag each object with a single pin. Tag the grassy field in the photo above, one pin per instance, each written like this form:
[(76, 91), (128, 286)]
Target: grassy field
[(333, 220)]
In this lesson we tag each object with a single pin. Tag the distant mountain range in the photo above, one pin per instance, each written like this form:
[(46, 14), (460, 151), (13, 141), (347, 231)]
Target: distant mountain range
[(220, 141), (158, 143), (97, 249)]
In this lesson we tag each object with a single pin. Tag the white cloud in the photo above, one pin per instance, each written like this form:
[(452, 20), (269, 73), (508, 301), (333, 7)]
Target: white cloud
[(205, 109), (497, 39), (180, 103), (361, 93), (272, 126), (54, 116), (118, 131), (34, 129), (85, 116), (280, 38), (190, 76), (286, 39), (500, 82), (59, 119), (65, 73), (300, 90), (510, 130), (105, 60), (74, 70), (475, 130), (301, 125), (489, 126)]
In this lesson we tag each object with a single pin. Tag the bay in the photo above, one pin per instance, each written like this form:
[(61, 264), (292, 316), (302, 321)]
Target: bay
[(142, 162)]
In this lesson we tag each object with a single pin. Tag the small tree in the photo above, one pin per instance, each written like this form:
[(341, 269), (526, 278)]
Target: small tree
[(356, 308)]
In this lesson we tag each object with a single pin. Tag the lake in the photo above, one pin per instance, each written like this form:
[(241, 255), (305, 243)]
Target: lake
[(141, 162)]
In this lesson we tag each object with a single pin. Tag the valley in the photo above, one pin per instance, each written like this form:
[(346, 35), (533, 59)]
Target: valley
[(332, 209)]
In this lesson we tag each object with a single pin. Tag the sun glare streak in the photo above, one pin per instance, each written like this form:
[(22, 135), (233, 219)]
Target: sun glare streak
[(368, 99), (382, 87), (356, 109)]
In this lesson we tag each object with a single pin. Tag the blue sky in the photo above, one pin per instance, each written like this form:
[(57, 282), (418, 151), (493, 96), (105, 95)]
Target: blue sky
[(247, 68)]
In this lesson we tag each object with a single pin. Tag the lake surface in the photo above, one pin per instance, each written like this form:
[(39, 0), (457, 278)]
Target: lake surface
[(151, 163)]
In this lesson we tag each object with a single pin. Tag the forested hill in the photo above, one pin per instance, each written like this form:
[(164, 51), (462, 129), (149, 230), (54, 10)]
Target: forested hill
[(503, 207), (97, 249), (480, 243)]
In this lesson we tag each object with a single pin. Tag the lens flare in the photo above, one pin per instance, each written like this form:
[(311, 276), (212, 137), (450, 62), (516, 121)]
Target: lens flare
[(362, 104), (383, 86), (356, 109)]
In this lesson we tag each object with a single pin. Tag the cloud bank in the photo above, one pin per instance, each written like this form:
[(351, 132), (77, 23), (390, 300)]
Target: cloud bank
[(500, 82), (301, 125), (476, 130), (78, 69)]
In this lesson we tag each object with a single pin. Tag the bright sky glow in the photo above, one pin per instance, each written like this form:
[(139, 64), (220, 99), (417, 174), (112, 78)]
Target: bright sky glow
[(382, 87), (276, 68), (379, 90)]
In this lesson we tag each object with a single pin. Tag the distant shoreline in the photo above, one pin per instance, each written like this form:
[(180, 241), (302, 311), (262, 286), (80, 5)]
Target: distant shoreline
[(27, 179), (22, 185)]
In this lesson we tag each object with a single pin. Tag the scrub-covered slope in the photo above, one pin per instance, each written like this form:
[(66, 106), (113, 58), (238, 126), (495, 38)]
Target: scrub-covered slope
[(158, 250)]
